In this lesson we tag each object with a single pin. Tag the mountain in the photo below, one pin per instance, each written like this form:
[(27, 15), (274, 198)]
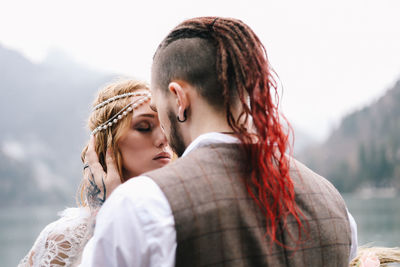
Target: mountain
[(364, 151), (43, 110)]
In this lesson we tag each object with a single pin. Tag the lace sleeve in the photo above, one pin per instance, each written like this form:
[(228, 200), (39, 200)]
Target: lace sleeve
[(61, 243)]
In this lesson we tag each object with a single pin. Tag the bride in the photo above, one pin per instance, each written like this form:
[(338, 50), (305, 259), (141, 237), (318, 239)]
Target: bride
[(124, 130)]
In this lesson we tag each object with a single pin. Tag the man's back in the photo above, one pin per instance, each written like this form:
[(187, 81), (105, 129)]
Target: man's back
[(218, 223)]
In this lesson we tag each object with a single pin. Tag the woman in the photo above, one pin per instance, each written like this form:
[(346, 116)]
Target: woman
[(127, 132)]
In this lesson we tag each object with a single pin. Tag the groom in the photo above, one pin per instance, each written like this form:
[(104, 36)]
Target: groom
[(233, 198)]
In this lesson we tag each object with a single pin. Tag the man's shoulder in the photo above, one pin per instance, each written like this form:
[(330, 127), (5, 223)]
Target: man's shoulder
[(134, 190), (303, 175), (170, 171), (140, 194), (207, 153)]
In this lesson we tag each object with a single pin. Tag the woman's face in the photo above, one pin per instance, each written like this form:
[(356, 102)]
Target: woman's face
[(143, 146)]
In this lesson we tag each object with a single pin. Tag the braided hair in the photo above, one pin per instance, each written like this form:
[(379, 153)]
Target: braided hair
[(228, 65)]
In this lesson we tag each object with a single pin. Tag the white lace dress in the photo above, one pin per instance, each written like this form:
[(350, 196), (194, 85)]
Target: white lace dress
[(61, 242)]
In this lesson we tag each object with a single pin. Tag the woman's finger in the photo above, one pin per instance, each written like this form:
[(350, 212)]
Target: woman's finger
[(92, 159), (91, 155), (110, 162), (113, 178)]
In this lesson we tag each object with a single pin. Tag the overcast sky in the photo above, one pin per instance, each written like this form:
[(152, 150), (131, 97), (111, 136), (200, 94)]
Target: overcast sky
[(332, 57)]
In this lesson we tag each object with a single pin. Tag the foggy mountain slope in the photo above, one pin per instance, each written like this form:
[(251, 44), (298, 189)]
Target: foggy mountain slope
[(365, 149), (43, 109)]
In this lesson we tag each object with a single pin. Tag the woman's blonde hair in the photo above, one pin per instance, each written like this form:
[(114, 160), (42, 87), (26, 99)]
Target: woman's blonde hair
[(111, 136)]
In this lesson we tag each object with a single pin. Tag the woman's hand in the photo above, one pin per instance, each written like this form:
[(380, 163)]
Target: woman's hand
[(99, 184)]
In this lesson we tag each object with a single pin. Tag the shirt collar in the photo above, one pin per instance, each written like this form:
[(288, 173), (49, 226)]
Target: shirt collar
[(210, 138)]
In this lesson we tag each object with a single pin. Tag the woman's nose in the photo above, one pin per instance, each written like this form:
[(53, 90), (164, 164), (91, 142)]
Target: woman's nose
[(160, 138)]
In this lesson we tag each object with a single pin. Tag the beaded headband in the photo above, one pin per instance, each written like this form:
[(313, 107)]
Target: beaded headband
[(123, 112), (111, 99)]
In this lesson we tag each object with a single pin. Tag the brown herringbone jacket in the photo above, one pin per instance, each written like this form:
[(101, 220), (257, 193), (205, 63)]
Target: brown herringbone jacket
[(218, 224)]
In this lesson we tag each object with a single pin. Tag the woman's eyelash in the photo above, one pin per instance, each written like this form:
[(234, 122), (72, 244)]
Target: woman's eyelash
[(143, 127)]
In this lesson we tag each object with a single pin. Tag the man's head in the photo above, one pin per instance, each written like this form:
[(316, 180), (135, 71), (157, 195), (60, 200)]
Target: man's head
[(182, 74), (208, 58)]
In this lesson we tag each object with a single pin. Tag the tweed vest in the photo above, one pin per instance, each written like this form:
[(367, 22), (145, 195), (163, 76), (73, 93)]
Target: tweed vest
[(218, 223)]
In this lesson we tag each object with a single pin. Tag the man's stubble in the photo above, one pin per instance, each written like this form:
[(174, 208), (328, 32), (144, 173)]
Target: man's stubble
[(175, 136)]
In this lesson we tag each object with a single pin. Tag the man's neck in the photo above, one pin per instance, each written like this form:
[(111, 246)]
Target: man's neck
[(205, 124), (205, 119), (209, 126)]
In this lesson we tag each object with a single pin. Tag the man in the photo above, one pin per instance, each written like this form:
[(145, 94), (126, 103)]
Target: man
[(234, 197)]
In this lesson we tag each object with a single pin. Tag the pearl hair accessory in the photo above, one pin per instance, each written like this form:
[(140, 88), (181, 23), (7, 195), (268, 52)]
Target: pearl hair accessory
[(123, 112), (112, 99)]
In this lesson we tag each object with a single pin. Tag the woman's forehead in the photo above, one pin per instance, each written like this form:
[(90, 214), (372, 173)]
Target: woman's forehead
[(144, 111)]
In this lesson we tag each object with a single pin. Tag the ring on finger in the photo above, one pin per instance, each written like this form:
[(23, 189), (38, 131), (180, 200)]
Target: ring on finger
[(86, 165)]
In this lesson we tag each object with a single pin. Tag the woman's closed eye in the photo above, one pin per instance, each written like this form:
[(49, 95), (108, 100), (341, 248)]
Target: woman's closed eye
[(144, 126)]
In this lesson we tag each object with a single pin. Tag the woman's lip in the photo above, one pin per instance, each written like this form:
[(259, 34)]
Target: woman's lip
[(162, 155), (163, 160)]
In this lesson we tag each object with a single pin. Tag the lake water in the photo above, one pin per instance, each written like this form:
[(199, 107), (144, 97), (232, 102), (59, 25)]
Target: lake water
[(378, 221)]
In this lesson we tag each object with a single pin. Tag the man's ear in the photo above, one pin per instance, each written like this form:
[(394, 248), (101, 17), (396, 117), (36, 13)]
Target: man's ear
[(179, 90)]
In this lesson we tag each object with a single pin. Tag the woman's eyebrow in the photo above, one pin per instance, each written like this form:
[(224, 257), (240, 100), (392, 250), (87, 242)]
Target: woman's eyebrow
[(148, 115)]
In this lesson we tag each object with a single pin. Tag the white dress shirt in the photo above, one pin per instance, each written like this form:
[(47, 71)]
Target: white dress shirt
[(135, 226)]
